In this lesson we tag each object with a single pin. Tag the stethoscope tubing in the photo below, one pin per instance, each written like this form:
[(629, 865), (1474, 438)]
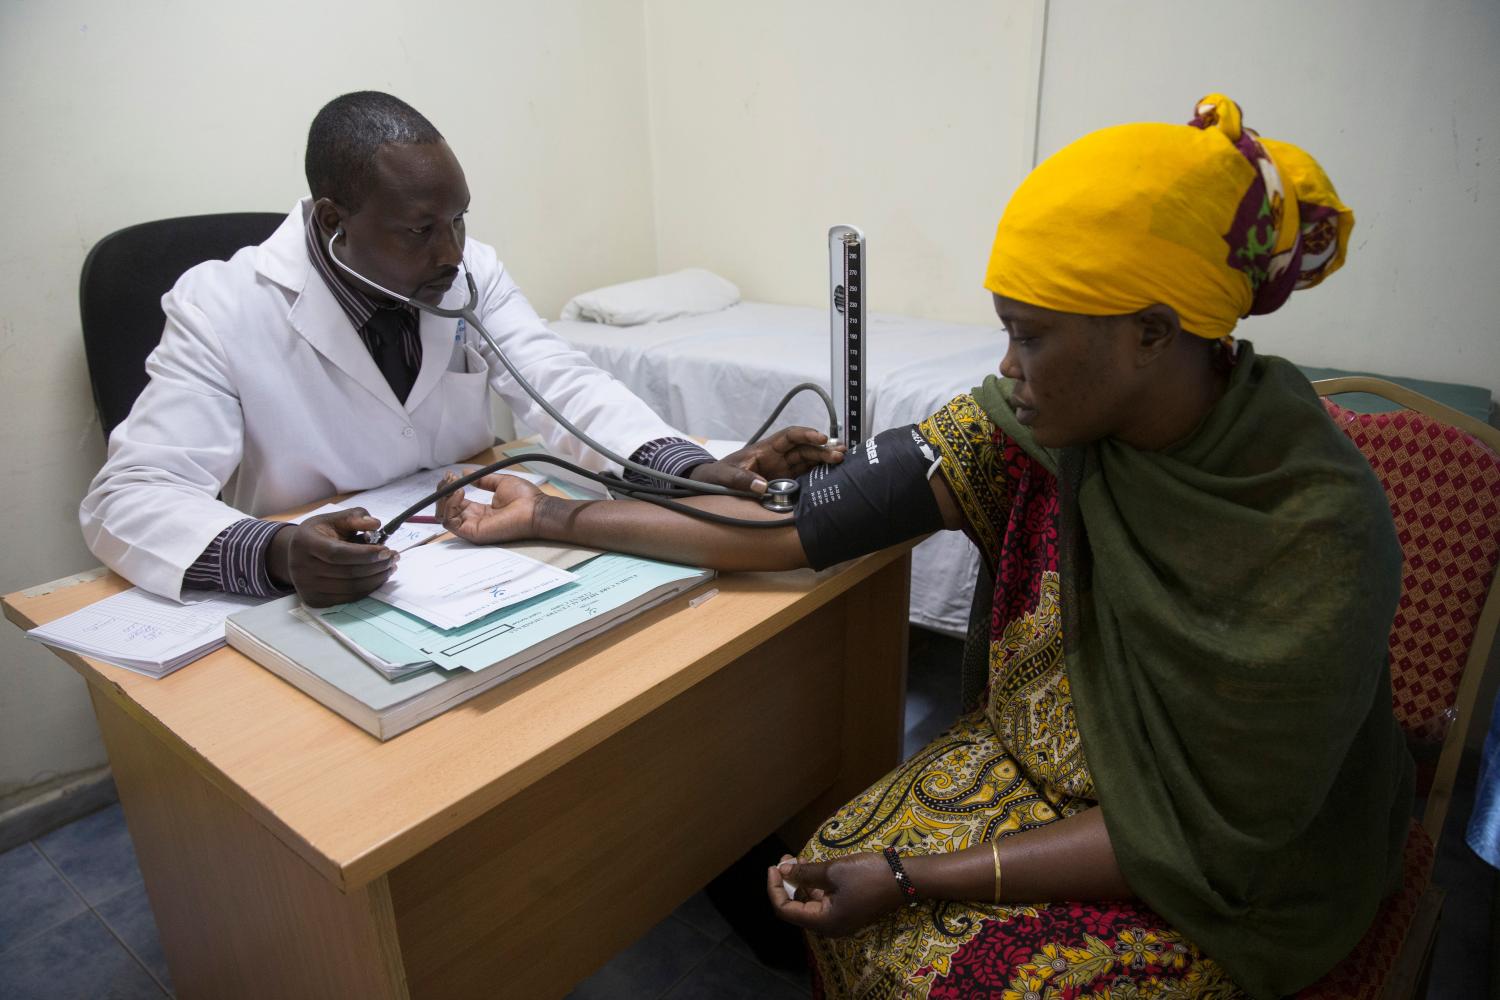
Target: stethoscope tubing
[(681, 486), (637, 491)]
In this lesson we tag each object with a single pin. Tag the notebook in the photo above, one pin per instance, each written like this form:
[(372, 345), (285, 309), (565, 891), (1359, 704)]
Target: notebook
[(142, 632)]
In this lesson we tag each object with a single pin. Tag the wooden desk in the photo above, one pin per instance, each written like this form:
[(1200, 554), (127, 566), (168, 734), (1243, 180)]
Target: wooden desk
[(512, 845)]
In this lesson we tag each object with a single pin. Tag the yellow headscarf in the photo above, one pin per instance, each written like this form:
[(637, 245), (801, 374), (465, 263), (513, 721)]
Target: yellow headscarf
[(1207, 218)]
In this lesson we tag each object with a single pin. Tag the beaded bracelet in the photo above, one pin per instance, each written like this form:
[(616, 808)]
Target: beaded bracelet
[(902, 879)]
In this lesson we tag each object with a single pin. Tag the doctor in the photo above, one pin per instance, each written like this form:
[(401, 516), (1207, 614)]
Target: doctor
[(278, 382)]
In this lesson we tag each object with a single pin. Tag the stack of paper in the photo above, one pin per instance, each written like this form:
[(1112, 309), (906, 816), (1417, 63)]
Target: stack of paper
[(331, 660), (604, 585), (453, 582), (143, 632), (405, 663)]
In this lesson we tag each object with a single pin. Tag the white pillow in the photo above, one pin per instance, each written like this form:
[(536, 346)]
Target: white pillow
[(650, 300)]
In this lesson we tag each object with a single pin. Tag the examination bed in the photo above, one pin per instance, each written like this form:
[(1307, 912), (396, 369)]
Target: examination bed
[(719, 374)]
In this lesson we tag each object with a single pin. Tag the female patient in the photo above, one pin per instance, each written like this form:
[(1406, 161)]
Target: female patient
[(1182, 776)]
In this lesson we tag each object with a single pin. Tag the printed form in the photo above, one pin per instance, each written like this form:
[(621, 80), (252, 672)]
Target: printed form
[(453, 582)]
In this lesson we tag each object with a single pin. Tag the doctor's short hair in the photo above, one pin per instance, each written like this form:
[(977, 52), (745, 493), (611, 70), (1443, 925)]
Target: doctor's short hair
[(345, 135)]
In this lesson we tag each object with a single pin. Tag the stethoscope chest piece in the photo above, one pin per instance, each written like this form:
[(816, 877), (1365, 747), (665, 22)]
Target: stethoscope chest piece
[(781, 496)]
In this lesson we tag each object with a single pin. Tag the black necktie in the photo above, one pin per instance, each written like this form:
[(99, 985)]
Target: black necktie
[(385, 335)]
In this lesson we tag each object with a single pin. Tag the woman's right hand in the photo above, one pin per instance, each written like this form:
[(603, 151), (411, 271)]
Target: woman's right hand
[(834, 898), (507, 518)]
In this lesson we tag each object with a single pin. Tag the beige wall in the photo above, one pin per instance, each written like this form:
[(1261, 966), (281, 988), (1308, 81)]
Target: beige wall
[(1399, 101), (772, 121), (116, 113)]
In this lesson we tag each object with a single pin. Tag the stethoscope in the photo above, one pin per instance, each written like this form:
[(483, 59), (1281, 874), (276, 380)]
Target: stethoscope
[(780, 496)]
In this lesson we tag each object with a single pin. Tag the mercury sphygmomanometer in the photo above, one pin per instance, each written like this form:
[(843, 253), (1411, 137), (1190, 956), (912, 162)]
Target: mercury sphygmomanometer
[(846, 246)]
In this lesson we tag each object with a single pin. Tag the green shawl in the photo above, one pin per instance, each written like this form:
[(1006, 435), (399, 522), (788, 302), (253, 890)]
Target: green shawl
[(1227, 605)]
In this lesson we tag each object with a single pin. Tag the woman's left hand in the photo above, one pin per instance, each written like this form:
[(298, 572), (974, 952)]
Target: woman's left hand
[(837, 897), (507, 518)]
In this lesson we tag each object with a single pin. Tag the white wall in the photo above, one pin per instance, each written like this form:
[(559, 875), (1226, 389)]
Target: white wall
[(1400, 103), (117, 113), (772, 121)]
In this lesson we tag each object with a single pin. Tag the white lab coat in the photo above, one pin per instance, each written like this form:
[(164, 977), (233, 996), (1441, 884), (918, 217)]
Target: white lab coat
[(261, 388)]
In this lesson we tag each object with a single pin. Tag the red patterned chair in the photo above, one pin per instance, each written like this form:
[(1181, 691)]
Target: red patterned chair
[(1441, 471)]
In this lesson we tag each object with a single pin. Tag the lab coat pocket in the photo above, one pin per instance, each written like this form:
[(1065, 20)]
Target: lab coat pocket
[(466, 426)]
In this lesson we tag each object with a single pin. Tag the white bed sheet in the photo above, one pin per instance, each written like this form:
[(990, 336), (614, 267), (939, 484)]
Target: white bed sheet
[(720, 374)]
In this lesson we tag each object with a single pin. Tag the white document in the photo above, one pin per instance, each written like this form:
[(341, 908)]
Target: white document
[(140, 631), (385, 502), (452, 583)]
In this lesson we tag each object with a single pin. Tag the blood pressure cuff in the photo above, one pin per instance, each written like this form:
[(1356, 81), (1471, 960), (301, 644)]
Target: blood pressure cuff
[(877, 496)]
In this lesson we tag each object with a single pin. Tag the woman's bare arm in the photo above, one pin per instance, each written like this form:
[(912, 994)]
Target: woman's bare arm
[(1069, 859), (645, 529), (520, 511)]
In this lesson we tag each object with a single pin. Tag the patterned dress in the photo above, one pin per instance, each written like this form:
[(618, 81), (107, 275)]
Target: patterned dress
[(1014, 764)]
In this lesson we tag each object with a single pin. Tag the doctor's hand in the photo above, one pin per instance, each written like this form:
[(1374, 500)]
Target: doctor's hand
[(505, 519), (317, 558), (787, 454), (836, 897)]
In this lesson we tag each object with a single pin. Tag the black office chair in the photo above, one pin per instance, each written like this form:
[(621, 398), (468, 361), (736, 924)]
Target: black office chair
[(119, 294)]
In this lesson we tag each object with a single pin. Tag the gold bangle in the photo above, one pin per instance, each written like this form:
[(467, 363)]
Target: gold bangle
[(995, 849)]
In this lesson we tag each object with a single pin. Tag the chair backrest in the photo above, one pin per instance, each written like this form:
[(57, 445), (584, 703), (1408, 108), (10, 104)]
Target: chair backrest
[(1441, 473), (119, 294)]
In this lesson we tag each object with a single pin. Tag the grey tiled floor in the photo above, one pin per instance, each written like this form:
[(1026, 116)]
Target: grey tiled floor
[(75, 923)]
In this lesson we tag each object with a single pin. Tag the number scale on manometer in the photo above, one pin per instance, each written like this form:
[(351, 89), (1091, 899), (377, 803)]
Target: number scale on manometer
[(846, 278)]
